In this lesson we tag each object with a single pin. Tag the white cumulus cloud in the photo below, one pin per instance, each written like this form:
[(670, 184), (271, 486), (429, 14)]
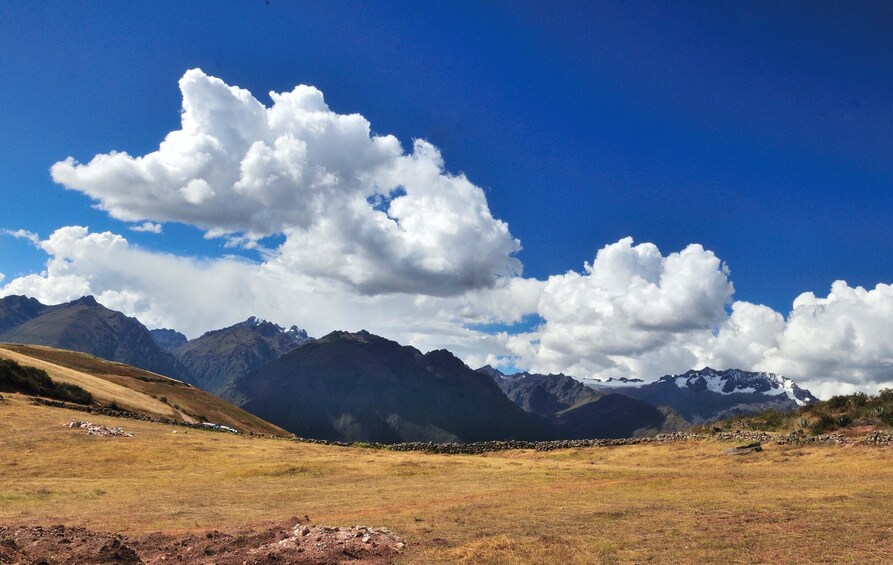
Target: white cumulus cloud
[(841, 342), (194, 295), (354, 207), (23, 234), (632, 311), (147, 227)]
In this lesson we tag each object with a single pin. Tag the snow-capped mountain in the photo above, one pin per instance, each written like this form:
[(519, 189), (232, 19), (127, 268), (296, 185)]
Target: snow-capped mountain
[(612, 382), (299, 335), (219, 356), (581, 412), (733, 381), (708, 394)]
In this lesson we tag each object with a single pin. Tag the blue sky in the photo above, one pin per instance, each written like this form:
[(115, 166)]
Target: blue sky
[(762, 131)]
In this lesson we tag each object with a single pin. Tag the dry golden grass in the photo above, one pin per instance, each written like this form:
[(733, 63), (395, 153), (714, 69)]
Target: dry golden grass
[(679, 503), (134, 389)]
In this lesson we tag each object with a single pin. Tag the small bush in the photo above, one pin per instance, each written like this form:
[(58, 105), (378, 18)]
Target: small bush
[(769, 420), (843, 420), (859, 399), (837, 402), (823, 425)]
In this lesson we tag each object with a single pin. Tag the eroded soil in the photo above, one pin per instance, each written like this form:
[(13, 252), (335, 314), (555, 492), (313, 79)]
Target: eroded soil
[(293, 541)]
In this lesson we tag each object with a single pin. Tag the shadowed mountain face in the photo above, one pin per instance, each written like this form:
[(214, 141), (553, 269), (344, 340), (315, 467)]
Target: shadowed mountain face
[(86, 326), (361, 387), (219, 356), (706, 395), (580, 412), (16, 310), (168, 340)]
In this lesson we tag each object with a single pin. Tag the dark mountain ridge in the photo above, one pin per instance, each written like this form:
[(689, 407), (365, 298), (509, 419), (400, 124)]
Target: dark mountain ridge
[(85, 325), (167, 339), (580, 412), (16, 310), (219, 356), (362, 387)]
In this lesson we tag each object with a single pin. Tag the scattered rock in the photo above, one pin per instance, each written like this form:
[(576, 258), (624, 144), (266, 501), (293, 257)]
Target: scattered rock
[(106, 411), (879, 438), (97, 430), (754, 447)]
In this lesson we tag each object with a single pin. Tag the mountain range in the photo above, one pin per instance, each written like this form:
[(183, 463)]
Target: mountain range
[(85, 325), (219, 356), (707, 394), (581, 412), (362, 387)]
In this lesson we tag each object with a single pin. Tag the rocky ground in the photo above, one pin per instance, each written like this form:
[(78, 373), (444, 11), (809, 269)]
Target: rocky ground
[(294, 541), (97, 430)]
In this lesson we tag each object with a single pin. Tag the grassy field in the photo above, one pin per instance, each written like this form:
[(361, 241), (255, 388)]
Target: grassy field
[(135, 389), (679, 503)]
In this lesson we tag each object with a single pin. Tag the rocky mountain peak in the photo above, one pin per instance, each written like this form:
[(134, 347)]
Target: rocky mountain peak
[(167, 339), (730, 381), (491, 372), (88, 300)]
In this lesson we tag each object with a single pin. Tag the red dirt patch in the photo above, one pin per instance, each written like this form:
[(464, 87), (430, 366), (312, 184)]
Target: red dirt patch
[(293, 541)]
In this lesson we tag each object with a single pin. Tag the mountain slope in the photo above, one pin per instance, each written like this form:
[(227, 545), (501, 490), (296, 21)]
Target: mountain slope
[(16, 310), (361, 387), (85, 325), (219, 356), (134, 389), (706, 395), (580, 412)]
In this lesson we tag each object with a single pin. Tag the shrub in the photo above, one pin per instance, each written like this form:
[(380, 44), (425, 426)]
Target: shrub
[(36, 382), (769, 420), (859, 399), (837, 402), (843, 420), (824, 424)]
